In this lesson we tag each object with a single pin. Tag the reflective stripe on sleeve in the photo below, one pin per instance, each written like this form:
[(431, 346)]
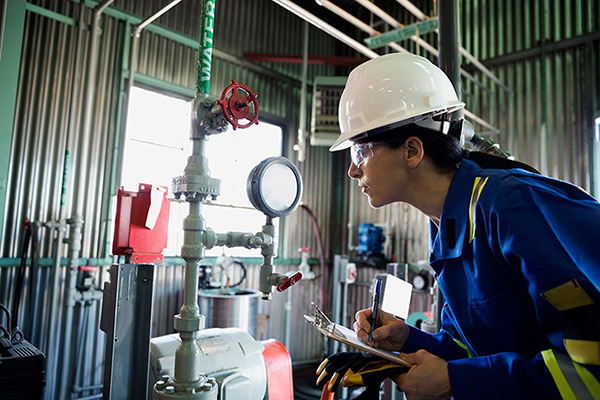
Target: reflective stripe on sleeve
[(573, 381), (477, 188)]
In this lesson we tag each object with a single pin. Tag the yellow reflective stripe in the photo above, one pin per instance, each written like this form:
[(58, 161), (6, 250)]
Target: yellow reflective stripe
[(583, 351), (464, 347), (561, 383), (569, 379), (477, 188), (589, 380), (567, 296)]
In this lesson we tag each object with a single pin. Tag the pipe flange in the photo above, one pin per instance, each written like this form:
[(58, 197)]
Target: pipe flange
[(205, 388), (193, 186)]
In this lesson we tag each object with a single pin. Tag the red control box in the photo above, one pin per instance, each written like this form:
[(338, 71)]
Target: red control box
[(142, 224)]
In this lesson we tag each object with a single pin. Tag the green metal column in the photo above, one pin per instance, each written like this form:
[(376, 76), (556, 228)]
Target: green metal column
[(11, 41)]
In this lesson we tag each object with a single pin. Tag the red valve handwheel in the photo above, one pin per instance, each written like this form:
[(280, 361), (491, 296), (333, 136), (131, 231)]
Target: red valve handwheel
[(236, 106)]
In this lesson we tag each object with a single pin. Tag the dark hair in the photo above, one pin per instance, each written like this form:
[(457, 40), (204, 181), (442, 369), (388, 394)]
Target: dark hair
[(445, 150)]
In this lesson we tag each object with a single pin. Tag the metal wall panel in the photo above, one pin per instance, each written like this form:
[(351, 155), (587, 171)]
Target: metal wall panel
[(547, 53)]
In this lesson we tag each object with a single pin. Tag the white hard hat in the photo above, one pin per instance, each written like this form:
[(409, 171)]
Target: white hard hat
[(390, 91)]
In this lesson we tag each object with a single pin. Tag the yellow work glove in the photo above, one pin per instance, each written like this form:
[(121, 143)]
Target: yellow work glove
[(357, 369)]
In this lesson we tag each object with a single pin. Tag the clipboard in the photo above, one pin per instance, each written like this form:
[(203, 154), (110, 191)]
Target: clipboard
[(347, 336)]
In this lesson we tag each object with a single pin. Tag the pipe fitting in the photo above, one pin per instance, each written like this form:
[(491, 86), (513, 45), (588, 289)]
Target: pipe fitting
[(189, 324)]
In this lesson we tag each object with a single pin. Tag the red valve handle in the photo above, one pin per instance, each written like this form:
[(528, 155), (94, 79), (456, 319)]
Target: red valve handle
[(238, 106), (289, 282)]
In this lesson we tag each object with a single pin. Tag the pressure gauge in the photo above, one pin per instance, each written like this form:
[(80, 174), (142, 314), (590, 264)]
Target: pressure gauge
[(419, 281), (275, 186)]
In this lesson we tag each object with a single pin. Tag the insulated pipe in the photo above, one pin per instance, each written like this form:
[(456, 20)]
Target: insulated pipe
[(324, 26)]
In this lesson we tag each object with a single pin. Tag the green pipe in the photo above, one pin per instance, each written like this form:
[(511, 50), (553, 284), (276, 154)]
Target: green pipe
[(63, 191), (207, 25)]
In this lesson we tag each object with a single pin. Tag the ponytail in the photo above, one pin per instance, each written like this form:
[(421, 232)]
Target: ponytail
[(446, 150), (490, 161)]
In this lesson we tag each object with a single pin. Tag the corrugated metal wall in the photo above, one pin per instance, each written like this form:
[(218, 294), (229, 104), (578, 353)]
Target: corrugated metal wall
[(547, 52)]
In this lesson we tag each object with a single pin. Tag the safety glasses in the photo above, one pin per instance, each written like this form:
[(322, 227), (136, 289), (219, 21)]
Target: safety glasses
[(361, 153)]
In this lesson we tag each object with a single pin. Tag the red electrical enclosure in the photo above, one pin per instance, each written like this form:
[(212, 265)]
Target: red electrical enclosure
[(142, 224)]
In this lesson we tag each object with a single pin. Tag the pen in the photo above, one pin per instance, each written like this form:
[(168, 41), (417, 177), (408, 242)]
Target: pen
[(375, 307)]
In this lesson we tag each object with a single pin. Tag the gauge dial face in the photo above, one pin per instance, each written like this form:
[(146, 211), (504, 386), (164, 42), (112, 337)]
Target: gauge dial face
[(418, 282), (275, 186)]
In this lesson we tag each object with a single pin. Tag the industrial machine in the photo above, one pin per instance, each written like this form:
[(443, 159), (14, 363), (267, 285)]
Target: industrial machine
[(240, 366)]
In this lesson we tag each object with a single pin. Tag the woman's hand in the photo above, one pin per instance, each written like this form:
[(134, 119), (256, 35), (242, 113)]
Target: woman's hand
[(390, 333), (427, 379)]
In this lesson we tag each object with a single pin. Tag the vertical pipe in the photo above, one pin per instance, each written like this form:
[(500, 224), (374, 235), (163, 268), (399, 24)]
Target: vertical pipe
[(207, 24), (449, 43), (66, 381), (53, 318), (449, 59), (302, 118)]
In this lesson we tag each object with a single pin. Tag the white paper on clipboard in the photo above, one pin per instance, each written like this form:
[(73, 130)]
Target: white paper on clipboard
[(348, 336)]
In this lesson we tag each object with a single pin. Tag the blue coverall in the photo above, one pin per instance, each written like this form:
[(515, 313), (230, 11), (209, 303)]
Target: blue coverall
[(517, 259)]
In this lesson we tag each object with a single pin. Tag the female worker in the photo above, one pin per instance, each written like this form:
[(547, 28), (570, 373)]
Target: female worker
[(514, 252)]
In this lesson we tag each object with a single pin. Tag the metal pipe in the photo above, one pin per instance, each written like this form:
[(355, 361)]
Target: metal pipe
[(54, 317), (449, 42), (324, 26), (357, 22), (154, 17), (481, 121), (302, 118), (207, 23), (421, 15), (75, 223), (414, 10), (373, 32)]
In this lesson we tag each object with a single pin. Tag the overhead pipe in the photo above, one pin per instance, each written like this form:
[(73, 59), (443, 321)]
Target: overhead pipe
[(414, 10), (324, 26), (395, 46), (357, 22)]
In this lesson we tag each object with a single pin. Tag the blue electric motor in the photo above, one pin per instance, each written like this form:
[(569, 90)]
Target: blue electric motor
[(370, 239)]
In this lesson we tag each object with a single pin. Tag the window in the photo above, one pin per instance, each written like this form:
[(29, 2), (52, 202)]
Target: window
[(156, 149)]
